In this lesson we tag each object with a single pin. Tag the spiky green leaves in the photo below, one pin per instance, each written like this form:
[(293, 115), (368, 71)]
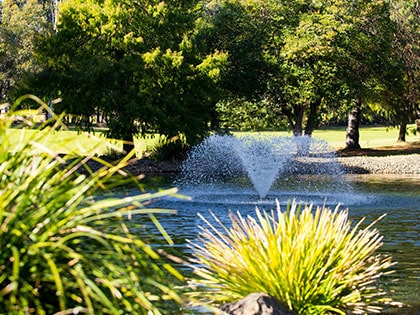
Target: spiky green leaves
[(315, 261), (64, 250)]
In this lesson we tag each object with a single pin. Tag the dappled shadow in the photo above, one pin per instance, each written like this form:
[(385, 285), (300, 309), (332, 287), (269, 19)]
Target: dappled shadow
[(353, 169), (397, 149)]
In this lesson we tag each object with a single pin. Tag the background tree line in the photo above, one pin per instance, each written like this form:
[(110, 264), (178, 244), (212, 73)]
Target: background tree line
[(184, 68)]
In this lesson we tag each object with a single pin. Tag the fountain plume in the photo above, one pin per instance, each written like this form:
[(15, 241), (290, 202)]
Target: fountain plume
[(262, 159)]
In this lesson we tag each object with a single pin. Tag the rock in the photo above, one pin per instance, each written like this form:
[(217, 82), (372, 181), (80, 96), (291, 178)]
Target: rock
[(255, 304)]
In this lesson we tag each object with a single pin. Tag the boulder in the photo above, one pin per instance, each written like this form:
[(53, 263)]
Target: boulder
[(255, 304)]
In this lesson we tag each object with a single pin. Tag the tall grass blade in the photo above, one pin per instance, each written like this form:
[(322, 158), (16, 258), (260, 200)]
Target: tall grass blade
[(68, 248)]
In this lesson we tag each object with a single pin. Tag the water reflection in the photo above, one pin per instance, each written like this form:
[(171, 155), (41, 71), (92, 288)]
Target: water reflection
[(365, 195)]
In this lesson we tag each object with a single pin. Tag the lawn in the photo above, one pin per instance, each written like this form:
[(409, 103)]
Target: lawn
[(74, 142), (68, 141), (370, 137)]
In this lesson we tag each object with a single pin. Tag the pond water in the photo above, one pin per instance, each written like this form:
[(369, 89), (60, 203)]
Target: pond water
[(368, 196)]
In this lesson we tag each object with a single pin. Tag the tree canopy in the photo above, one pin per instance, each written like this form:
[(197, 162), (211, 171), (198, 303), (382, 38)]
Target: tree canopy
[(305, 60), (22, 25), (135, 61), (180, 68)]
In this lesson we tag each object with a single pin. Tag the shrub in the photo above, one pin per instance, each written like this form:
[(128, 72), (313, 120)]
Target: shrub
[(316, 262), (167, 150), (64, 249)]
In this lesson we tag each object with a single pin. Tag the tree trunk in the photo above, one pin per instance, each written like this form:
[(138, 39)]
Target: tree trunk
[(312, 117), (352, 133), (403, 131), (298, 115)]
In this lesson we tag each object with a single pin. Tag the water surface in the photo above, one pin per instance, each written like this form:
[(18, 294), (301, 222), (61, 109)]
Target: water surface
[(366, 196)]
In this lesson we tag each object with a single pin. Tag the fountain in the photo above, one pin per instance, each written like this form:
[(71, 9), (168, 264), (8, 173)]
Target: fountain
[(262, 159)]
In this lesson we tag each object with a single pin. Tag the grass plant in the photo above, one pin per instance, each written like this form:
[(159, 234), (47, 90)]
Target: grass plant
[(313, 260), (64, 250)]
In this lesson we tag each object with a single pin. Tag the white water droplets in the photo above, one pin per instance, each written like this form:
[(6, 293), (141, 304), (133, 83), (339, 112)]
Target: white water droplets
[(220, 158)]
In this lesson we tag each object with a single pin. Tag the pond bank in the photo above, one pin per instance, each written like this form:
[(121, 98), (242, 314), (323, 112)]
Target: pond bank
[(393, 164)]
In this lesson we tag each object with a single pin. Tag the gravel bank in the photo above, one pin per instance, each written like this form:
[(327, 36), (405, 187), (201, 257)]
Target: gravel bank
[(393, 164)]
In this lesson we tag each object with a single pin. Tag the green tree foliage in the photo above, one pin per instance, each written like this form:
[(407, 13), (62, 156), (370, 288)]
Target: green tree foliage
[(51, 8), (242, 114), (365, 63), (308, 74), (405, 96), (137, 61), (308, 60), (22, 24)]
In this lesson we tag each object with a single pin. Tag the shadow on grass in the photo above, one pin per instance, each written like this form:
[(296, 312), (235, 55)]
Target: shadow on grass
[(397, 149)]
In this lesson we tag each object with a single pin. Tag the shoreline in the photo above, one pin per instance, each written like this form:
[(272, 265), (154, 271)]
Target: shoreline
[(408, 164), (392, 164)]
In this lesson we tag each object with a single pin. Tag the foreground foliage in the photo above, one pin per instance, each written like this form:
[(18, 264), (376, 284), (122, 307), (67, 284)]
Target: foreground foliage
[(63, 250), (314, 261)]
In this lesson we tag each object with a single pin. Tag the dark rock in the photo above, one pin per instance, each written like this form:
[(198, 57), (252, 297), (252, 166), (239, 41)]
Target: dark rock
[(256, 304)]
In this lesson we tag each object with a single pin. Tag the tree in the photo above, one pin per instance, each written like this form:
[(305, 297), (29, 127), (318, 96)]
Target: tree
[(229, 29), (51, 7), (352, 132), (298, 59), (386, 77), (406, 50), (376, 72), (241, 114), (136, 61), (23, 23), (308, 54)]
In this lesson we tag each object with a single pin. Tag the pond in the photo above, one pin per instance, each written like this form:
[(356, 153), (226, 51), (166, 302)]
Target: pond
[(368, 196)]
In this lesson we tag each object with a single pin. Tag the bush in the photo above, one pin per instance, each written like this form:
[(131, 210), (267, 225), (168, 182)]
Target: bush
[(169, 150), (64, 250), (315, 262)]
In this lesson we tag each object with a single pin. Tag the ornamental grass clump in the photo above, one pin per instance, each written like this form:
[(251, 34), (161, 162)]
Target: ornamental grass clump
[(313, 261), (64, 250)]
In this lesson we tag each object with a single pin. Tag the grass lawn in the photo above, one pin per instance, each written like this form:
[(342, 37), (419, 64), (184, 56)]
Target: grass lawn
[(370, 137), (65, 141), (68, 141), (73, 142)]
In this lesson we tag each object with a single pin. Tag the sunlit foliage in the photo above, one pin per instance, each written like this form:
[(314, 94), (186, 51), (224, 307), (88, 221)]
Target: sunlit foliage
[(65, 247)]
